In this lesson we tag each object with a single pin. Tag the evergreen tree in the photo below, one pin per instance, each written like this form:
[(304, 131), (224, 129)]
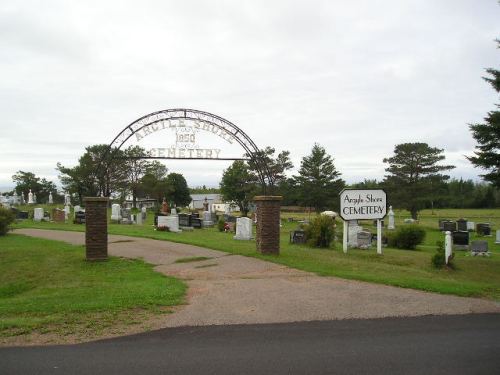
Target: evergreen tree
[(487, 135), (318, 182), (414, 178)]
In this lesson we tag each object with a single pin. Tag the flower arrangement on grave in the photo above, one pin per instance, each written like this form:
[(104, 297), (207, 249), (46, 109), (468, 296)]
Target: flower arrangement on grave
[(163, 228)]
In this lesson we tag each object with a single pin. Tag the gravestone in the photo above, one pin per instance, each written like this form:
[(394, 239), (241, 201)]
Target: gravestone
[(38, 214), (138, 218), (243, 228), (352, 237), (172, 222), (409, 221), (30, 197), (161, 221), (461, 225), (58, 215), (157, 215), (483, 229), (497, 240), (51, 198), (479, 248), (196, 222), (126, 216), (298, 236), (391, 219), (173, 211), (22, 215), (471, 226), (450, 226), (164, 207), (364, 239), (461, 240), (184, 220), (144, 212), (67, 199), (207, 219), (116, 212), (79, 217), (441, 224), (76, 209)]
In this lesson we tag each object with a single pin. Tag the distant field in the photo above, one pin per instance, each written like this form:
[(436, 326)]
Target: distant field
[(474, 276)]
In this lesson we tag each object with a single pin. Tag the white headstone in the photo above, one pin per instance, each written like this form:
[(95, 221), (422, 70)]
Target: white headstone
[(144, 212), (76, 209), (207, 219), (172, 222), (243, 228), (22, 198), (116, 212), (51, 198), (15, 198), (67, 211), (138, 218), (30, 197), (173, 211), (471, 226), (38, 214), (34, 198), (391, 219), (67, 199), (498, 237)]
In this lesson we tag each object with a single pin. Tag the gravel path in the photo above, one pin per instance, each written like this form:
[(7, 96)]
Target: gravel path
[(233, 289)]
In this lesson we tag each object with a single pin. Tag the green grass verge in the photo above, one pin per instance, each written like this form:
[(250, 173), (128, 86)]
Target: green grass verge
[(48, 286), (474, 276)]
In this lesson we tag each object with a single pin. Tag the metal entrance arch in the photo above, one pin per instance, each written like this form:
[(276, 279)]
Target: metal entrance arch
[(226, 129)]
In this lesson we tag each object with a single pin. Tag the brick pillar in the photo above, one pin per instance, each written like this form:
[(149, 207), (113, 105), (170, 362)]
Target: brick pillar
[(268, 224), (96, 228)]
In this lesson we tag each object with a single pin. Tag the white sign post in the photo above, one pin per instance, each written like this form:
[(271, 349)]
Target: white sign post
[(364, 204)]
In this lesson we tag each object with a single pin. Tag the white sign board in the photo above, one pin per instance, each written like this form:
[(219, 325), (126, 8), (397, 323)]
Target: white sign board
[(363, 204)]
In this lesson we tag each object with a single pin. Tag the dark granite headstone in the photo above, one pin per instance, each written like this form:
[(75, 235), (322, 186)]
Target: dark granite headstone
[(461, 239), (79, 217), (450, 226), (441, 224), (196, 223), (184, 220), (483, 229), (461, 225), (298, 237), (22, 215)]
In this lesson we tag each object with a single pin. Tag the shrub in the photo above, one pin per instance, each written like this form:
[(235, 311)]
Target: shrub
[(438, 260), (6, 218), (321, 231), (406, 237), (221, 224)]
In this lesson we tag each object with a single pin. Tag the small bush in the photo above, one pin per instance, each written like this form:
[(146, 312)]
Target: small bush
[(6, 218), (321, 231), (438, 260), (406, 237), (221, 224)]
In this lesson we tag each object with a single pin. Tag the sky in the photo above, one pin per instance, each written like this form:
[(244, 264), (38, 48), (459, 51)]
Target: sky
[(355, 76)]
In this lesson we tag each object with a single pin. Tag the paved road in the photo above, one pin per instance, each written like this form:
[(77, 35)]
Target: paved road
[(456, 344)]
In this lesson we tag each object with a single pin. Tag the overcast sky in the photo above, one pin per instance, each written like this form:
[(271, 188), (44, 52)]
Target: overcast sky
[(356, 76)]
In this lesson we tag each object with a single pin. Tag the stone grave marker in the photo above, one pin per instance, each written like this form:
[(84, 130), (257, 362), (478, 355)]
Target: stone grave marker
[(126, 216), (461, 240), (243, 228), (479, 248), (79, 217), (471, 226), (196, 222), (184, 220), (497, 240), (116, 212), (483, 229), (23, 215), (364, 239), (67, 211), (38, 214), (450, 226), (391, 224), (58, 215), (172, 222), (354, 229), (173, 211), (461, 225), (298, 236), (144, 213), (207, 219)]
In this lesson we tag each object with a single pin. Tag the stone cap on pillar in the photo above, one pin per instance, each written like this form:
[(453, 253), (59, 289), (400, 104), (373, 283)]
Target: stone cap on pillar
[(268, 198), (95, 199)]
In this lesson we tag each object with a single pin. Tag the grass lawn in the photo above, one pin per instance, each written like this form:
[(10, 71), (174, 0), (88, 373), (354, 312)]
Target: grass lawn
[(473, 276), (47, 286)]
